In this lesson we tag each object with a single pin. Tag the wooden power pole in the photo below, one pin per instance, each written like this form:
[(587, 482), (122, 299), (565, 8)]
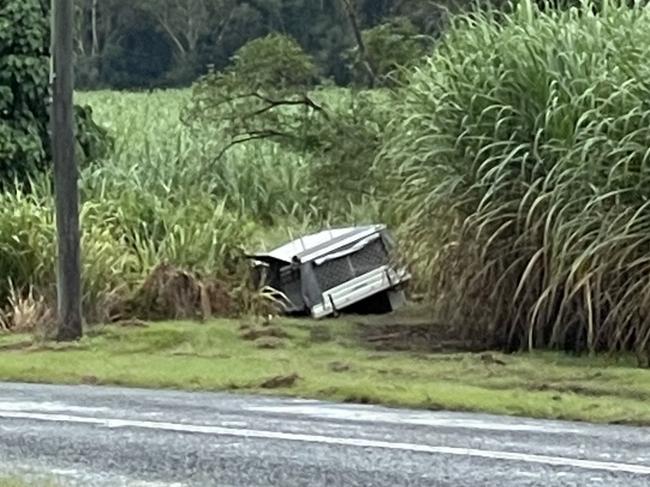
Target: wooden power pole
[(65, 174)]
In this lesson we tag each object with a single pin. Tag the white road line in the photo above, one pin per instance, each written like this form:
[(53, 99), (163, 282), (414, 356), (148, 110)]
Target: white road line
[(332, 440), (51, 407), (414, 418)]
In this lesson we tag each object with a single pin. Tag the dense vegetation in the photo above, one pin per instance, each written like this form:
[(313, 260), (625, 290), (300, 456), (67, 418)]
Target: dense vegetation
[(270, 94), (154, 43), (154, 201), (523, 143), (25, 95), (24, 72), (511, 162)]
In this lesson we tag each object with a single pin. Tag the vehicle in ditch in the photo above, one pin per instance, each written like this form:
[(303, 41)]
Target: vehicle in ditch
[(351, 269)]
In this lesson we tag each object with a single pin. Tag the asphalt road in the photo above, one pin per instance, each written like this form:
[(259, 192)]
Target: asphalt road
[(94, 436)]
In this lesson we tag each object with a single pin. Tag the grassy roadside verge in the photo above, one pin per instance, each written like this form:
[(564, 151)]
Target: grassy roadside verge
[(329, 361), (19, 482), (12, 482)]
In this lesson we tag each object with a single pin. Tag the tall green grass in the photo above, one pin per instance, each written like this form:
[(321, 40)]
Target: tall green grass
[(124, 238), (523, 144), (162, 197), (155, 153)]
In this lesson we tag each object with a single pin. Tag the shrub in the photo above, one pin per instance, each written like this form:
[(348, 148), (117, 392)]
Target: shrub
[(25, 95), (24, 91)]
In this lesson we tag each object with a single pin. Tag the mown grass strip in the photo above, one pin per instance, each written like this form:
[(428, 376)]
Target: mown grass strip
[(339, 367)]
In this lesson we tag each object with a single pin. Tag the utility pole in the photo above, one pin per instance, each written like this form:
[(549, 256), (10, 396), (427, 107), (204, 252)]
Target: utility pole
[(65, 174)]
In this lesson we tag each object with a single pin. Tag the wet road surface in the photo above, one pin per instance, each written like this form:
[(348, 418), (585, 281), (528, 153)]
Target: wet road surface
[(100, 436)]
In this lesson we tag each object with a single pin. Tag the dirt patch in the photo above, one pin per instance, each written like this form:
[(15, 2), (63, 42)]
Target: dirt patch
[(131, 323), (412, 328), (269, 343), (338, 367), (587, 390), (492, 359), (320, 333), (280, 381), (256, 333), (216, 356), (418, 337), (23, 345), (358, 399)]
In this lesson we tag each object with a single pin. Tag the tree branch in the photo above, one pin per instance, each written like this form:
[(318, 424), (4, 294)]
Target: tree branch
[(223, 26), (167, 28), (363, 53), (305, 101), (249, 137), (271, 104)]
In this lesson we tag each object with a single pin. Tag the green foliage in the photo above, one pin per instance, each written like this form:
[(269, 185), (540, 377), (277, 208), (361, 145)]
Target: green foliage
[(524, 147), (273, 62), (124, 237), (343, 142), (24, 73), (263, 71), (27, 242), (25, 94), (265, 96)]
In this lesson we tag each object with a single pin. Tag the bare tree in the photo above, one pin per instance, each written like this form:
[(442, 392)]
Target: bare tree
[(95, 22), (185, 21)]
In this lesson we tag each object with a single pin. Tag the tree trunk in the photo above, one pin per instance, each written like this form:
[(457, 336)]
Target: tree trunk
[(94, 49)]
